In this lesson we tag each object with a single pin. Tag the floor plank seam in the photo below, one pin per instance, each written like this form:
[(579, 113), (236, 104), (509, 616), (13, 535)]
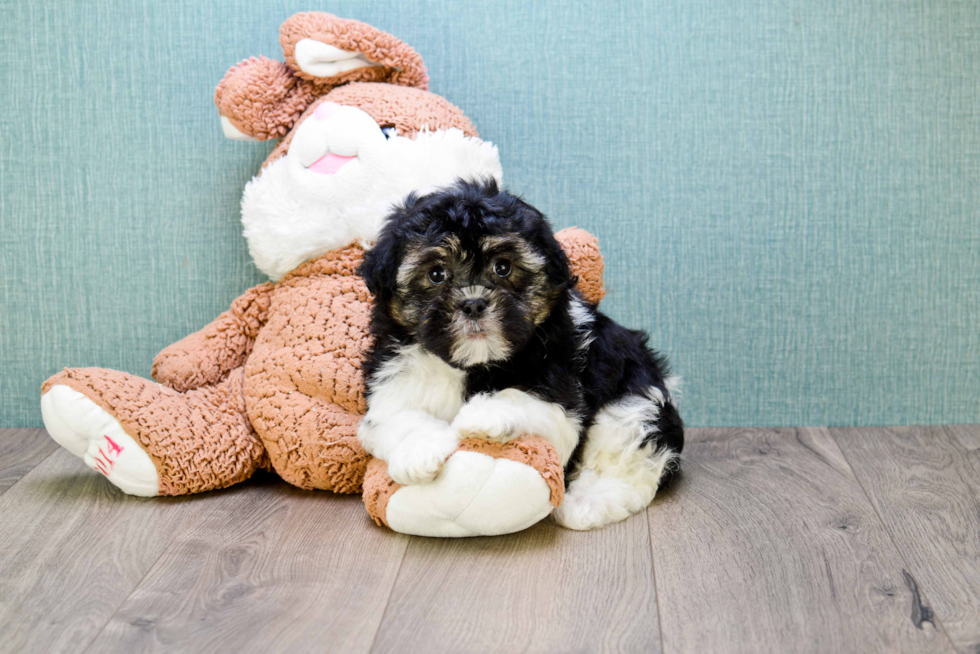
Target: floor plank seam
[(891, 537), (656, 590), (391, 591), (27, 474), (885, 601), (126, 599)]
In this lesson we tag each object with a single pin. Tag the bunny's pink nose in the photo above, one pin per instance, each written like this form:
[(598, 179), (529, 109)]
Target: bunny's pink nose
[(326, 109)]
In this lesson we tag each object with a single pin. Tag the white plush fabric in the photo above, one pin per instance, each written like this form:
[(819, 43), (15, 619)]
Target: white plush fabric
[(291, 214), (88, 431), (324, 60), (232, 132), (474, 495)]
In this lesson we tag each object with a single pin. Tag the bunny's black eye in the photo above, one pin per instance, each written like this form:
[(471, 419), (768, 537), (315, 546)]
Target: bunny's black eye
[(501, 268), (389, 131), (437, 275)]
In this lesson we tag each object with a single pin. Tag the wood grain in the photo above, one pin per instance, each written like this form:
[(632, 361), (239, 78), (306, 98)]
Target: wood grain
[(543, 590), (20, 451), (269, 569), (72, 548), (767, 543), (925, 484), (968, 436)]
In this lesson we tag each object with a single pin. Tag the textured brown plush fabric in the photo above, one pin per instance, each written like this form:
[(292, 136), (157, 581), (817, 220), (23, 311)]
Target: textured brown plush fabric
[(277, 379), (583, 253), (304, 384), (408, 109), (199, 440), (400, 64), (529, 450), (378, 489), (205, 357), (264, 98)]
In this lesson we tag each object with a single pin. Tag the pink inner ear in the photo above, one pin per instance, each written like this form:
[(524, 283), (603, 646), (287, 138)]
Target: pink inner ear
[(328, 164), (325, 109)]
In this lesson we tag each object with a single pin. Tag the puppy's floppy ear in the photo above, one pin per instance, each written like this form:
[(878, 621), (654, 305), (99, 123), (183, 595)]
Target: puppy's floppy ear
[(379, 269), (557, 267)]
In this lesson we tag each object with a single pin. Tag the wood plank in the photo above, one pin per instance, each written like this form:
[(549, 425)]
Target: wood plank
[(72, 548), (546, 589), (968, 436), (20, 451), (925, 484), (767, 543), (276, 569)]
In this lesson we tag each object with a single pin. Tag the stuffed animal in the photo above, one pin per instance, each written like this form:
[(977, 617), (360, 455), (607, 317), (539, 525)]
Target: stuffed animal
[(275, 382)]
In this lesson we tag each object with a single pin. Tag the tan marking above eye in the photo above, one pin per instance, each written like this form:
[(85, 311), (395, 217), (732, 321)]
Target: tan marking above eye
[(520, 253), (488, 243), (408, 267), (412, 262), (453, 244)]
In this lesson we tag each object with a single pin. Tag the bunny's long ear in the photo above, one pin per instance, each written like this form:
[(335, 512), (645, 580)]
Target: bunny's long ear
[(324, 49), (260, 99)]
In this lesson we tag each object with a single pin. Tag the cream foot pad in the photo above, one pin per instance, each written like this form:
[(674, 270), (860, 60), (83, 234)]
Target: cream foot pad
[(90, 432), (484, 489)]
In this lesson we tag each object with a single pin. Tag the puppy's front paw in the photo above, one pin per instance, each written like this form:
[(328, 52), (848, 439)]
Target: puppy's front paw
[(486, 417), (419, 460)]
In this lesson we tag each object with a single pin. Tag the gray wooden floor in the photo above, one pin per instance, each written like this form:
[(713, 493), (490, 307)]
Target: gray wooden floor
[(772, 540)]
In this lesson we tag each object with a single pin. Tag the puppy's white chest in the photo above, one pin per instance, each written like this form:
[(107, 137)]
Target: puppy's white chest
[(418, 380)]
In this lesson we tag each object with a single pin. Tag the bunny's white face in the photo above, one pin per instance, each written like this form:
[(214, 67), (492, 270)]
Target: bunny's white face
[(334, 137), (340, 178)]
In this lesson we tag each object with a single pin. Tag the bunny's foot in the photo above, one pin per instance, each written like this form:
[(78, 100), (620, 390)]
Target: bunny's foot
[(149, 439), (93, 434), (484, 489)]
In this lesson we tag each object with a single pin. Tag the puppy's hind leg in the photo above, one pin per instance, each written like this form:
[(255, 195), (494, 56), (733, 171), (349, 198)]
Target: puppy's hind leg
[(630, 451)]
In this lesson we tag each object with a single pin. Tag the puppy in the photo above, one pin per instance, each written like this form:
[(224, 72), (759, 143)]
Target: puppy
[(479, 332)]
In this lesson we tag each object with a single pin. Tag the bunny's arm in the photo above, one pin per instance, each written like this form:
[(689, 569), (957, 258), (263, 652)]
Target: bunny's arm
[(207, 356), (583, 253)]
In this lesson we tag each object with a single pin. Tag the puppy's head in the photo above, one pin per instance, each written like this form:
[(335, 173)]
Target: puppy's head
[(468, 272)]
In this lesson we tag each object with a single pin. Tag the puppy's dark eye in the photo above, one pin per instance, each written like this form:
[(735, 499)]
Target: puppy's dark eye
[(389, 131), (437, 275), (501, 268)]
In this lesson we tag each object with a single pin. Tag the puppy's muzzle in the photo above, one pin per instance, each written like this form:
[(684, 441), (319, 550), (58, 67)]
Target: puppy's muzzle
[(474, 308)]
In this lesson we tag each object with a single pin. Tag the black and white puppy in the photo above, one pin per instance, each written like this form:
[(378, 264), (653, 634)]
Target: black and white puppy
[(479, 332)]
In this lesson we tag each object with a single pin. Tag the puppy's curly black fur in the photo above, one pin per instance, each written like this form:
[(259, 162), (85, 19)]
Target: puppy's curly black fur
[(475, 276)]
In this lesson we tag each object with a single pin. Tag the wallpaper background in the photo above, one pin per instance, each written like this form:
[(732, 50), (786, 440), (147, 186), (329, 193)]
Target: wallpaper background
[(787, 194)]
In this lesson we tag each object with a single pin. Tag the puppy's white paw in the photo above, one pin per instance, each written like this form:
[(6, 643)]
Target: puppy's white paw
[(592, 501), (488, 417), (420, 458)]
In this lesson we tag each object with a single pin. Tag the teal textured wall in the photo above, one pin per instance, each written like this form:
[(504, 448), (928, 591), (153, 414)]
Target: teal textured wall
[(787, 194)]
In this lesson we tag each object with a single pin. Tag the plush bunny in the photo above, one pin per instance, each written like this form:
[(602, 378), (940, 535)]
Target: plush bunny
[(275, 381)]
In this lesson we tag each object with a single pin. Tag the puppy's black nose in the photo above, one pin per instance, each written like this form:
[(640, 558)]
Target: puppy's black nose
[(474, 307)]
